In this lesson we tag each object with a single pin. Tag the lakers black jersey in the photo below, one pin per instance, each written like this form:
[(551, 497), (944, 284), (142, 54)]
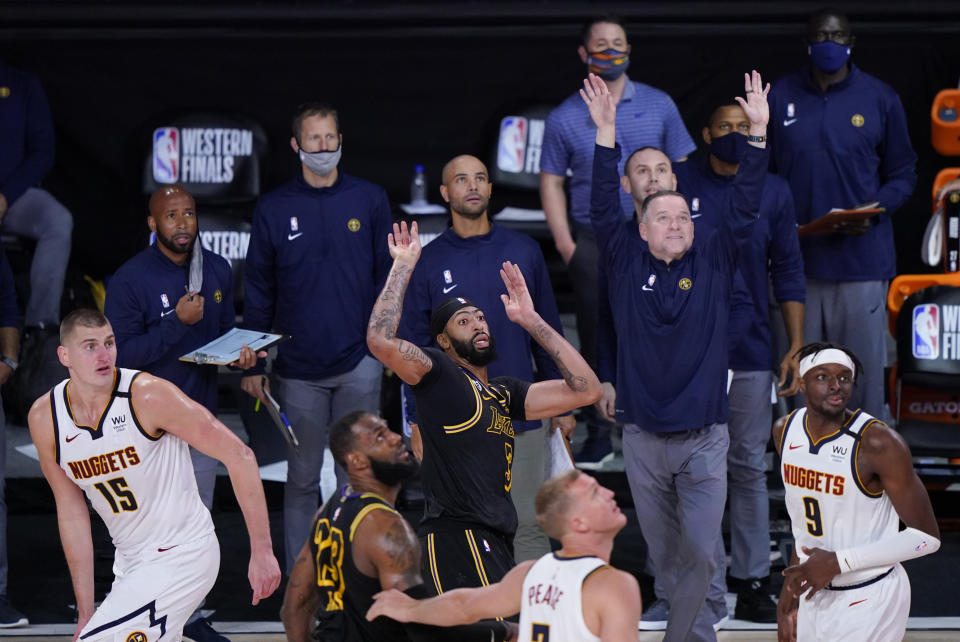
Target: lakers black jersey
[(345, 593), (467, 433)]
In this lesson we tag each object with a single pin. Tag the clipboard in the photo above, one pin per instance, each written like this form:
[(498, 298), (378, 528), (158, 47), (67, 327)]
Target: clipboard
[(826, 223), (225, 349), (561, 459), (281, 421)]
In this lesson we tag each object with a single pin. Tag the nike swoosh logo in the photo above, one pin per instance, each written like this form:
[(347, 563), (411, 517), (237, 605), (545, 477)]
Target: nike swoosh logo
[(857, 602), (164, 550), (646, 288), (792, 447), (445, 290), (69, 439), (290, 237), (787, 123), (696, 215), (163, 314)]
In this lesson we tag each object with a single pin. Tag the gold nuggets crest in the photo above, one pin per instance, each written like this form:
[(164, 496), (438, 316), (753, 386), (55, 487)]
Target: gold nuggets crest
[(685, 283), (857, 120), (137, 636), (218, 296), (353, 224), (4, 92)]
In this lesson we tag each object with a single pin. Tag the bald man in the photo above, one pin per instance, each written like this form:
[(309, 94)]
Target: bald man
[(464, 261), (166, 301)]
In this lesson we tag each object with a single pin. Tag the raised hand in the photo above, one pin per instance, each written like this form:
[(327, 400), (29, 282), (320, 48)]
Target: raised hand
[(516, 302), (755, 104), (599, 101), (404, 246)]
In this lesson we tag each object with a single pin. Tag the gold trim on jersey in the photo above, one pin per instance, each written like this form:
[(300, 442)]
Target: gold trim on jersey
[(103, 413), (471, 422), (367, 510), (472, 543), (432, 562), (842, 428), (133, 412), (786, 429), (856, 469)]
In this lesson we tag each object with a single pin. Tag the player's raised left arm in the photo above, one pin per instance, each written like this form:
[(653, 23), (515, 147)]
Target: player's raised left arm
[(579, 386), (161, 406)]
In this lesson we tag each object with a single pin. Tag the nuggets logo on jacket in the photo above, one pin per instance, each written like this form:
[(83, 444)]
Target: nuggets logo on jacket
[(857, 120), (685, 283), (4, 92), (218, 296), (353, 224), (137, 636)]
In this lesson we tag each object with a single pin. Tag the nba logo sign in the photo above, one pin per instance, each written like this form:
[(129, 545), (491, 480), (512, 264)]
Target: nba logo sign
[(447, 277), (166, 155), (512, 146), (926, 331), (695, 204), (164, 300)]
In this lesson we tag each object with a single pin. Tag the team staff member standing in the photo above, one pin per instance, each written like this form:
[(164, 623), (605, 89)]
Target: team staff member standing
[(460, 262), (465, 417), (157, 319), (772, 254), (678, 295), (360, 538), (317, 256), (645, 117), (849, 482), (572, 594), (118, 438), (840, 139)]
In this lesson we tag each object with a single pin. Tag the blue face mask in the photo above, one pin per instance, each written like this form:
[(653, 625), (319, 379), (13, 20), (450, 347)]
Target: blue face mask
[(729, 148), (828, 56), (609, 64)]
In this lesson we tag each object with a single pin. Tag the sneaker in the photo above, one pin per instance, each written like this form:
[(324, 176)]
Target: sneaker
[(655, 617), (754, 603), (200, 631), (719, 614), (593, 454), (9, 616)]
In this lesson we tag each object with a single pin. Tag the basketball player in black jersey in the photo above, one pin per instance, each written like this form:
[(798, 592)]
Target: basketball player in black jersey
[(360, 545), (465, 419)]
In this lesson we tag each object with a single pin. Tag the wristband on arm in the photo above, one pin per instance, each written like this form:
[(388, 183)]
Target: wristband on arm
[(905, 545)]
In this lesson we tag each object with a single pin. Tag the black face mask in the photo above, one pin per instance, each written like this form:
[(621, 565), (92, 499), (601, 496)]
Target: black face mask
[(392, 473), (468, 351), (729, 148)]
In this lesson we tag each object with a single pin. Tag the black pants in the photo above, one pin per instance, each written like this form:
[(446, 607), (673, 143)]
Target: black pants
[(457, 556)]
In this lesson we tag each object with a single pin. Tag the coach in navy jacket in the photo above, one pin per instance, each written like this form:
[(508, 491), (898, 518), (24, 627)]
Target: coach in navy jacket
[(840, 139), (317, 258), (464, 261), (670, 305)]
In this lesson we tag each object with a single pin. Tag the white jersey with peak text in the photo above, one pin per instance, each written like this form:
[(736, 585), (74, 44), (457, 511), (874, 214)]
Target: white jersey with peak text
[(829, 505), (552, 607), (143, 487)]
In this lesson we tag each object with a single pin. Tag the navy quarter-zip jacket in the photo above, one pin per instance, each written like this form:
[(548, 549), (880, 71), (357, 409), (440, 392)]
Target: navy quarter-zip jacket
[(671, 321)]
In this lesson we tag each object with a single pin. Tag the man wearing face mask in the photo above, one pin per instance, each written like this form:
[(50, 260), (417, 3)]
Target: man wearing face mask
[(772, 253), (317, 258), (645, 117), (840, 139)]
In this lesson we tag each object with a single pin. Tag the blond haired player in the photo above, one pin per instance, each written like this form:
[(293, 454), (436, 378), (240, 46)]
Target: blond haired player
[(572, 594), (849, 481), (121, 437)]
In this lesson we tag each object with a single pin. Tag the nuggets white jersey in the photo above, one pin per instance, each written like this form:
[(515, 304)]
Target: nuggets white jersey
[(829, 505), (142, 487), (552, 607)]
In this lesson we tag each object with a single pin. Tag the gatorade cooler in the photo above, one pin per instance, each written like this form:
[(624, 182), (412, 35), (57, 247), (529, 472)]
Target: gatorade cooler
[(945, 122)]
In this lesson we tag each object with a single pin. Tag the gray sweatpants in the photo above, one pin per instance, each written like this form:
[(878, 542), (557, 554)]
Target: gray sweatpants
[(529, 462), (853, 314), (39, 216), (679, 485), (311, 406)]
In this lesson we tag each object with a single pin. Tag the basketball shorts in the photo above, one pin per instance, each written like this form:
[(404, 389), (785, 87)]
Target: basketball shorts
[(875, 612), (458, 557), (154, 594)]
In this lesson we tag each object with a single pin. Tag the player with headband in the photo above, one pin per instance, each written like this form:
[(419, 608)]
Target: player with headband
[(849, 481)]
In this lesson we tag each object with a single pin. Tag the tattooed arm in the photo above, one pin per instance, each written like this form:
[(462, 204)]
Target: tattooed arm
[(301, 599), (580, 386), (404, 358)]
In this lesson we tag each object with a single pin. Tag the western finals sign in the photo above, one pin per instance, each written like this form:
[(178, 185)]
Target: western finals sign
[(936, 331), (198, 155)]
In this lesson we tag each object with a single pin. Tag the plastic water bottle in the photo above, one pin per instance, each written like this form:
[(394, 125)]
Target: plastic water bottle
[(418, 187)]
